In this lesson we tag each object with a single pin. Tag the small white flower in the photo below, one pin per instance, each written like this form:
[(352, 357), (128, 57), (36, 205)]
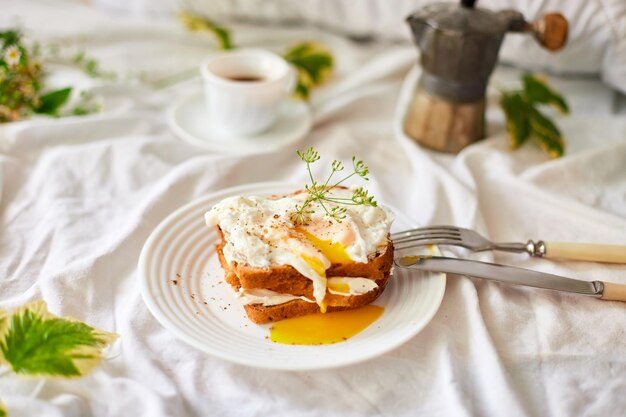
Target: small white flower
[(12, 55)]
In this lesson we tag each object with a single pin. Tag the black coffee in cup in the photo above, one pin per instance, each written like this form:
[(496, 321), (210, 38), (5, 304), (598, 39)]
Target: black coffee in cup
[(245, 78), (245, 89)]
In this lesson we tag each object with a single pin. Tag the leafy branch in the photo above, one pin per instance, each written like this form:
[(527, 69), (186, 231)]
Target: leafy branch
[(196, 23), (34, 342), (91, 66), (524, 120), (22, 91), (320, 192)]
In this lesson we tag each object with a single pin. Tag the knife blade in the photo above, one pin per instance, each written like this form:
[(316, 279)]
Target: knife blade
[(503, 273)]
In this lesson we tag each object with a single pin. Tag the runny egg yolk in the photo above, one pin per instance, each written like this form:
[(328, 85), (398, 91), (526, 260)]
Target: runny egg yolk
[(315, 264), (319, 269), (339, 287), (319, 329), (335, 252)]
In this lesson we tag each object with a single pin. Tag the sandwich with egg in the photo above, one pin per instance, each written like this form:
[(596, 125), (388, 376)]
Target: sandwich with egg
[(323, 248)]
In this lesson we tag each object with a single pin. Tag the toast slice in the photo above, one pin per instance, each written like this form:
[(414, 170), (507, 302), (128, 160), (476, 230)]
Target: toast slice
[(285, 279)]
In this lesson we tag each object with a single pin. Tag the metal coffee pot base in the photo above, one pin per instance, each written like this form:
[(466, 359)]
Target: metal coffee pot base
[(442, 124)]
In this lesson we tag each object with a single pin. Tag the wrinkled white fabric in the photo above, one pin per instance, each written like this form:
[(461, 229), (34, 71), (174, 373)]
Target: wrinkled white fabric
[(596, 41), (81, 195)]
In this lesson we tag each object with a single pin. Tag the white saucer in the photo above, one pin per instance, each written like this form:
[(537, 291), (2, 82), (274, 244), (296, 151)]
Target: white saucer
[(188, 119)]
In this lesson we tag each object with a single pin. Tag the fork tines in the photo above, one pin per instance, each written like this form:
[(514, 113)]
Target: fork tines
[(433, 235)]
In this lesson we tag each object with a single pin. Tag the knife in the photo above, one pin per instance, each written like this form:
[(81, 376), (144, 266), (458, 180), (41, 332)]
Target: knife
[(514, 275)]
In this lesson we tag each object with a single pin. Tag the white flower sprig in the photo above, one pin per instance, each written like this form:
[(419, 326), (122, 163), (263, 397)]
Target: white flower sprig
[(12, 55)]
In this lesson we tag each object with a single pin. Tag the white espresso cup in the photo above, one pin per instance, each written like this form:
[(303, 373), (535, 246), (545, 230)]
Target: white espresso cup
[(245, 88)]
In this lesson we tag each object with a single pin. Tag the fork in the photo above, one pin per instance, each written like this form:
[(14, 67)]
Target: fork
[(469, 239)]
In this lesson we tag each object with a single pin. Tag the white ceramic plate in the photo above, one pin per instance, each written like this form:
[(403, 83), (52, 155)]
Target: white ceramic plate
[(182, 284), (189, 120)]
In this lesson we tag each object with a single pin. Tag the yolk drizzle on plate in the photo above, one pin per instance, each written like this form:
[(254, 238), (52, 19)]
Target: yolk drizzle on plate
[(318, 329)]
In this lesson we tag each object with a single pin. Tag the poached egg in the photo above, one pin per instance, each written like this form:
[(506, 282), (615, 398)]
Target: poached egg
[(260, 232)]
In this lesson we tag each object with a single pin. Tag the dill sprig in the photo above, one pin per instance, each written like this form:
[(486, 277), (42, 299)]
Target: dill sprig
[(320, 191)]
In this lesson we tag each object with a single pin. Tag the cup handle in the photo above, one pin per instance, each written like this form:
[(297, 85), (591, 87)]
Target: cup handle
[(292, 80)]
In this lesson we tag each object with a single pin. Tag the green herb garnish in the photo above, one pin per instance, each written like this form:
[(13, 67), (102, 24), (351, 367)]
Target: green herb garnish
[(524, 120), (320, 192)]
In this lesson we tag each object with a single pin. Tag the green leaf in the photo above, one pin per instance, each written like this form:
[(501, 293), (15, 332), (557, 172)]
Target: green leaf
[(36, 343), (303, 86), (51, 102), (10, 37), (314, 63), (3, 410), (537, 90), (516, 111), (315, 59), (4, 322), (197, 23), (546, 133)]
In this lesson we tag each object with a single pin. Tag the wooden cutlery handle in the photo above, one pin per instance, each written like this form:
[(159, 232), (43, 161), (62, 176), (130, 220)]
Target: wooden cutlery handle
[(614, 292), (586, 252)]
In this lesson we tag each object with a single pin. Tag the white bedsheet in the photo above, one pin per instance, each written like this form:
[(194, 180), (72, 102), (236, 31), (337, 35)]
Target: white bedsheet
[(81, 195)]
